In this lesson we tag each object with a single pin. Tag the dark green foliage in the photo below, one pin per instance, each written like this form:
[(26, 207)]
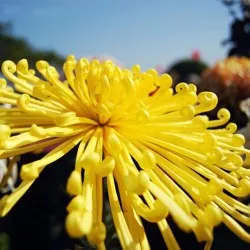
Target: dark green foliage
[(239, 39), (187, 66), (4, 241), (185, 70), (16, 48)]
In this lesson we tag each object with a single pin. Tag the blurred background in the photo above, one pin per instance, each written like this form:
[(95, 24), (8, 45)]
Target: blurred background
[(202, 42), (145, 32)]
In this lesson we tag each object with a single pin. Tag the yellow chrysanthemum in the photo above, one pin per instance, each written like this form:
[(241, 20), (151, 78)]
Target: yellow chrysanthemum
[(158, 154)]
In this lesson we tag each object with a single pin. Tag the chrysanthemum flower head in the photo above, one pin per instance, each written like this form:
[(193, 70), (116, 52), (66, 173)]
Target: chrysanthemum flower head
[(231, 74), (158, 154)]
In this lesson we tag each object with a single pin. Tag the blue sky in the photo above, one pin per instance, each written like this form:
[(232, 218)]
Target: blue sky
[(148, 32)]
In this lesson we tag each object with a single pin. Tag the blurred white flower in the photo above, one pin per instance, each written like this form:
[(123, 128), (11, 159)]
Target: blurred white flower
[(245, 107), (8, 171), (106, 57), (160, 69), (8, 174)]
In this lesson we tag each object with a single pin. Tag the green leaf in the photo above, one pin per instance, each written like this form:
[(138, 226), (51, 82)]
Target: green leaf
[(4, 241)]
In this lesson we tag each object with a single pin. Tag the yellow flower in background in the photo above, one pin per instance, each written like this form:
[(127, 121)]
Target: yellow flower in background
[(158, 154)]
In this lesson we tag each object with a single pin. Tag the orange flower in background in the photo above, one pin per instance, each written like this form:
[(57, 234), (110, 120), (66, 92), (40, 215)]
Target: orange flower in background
[(232, 74)]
